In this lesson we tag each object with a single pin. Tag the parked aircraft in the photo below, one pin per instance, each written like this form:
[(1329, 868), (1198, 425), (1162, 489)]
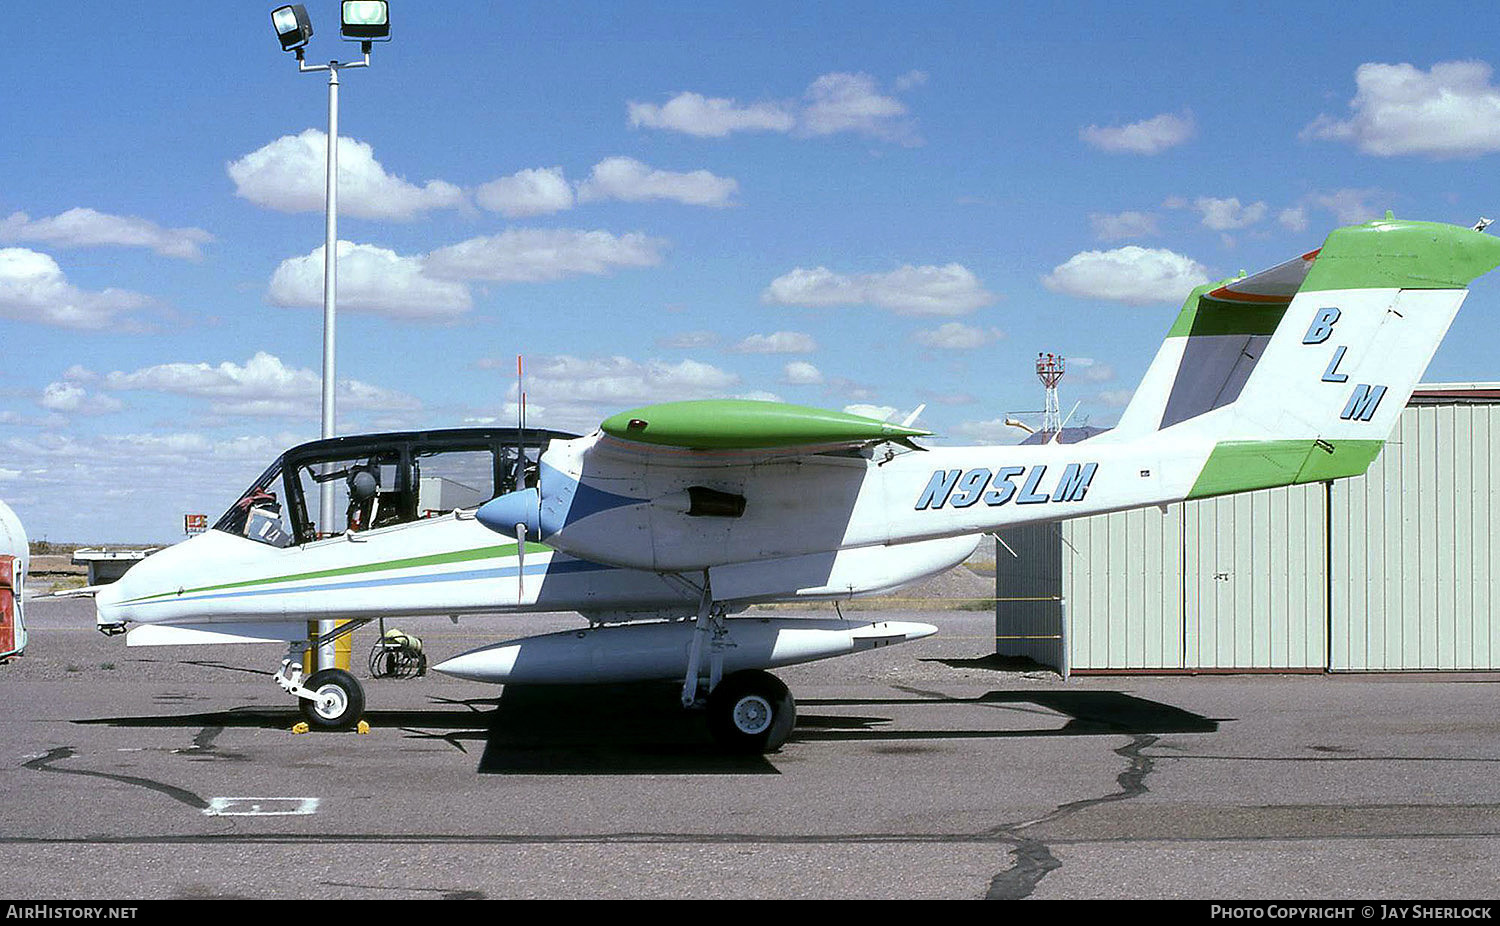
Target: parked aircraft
[(407, 543), (670, 518)]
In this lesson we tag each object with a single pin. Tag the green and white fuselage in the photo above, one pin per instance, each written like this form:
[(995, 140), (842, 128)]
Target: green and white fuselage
[(224, 587)]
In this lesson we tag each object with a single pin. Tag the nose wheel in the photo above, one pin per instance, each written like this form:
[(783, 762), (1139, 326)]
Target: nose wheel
[(330, 700), (751, 712), (337, 700)]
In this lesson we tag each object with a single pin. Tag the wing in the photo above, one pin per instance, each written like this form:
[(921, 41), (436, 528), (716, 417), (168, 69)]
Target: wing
[(743, 424), (667, 487)]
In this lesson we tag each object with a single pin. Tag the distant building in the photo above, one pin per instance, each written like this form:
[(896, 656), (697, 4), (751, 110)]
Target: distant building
[(1398, 569), (1069, 435)]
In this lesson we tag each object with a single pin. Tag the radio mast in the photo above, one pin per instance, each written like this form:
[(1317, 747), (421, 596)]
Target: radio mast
[(1049, 369)]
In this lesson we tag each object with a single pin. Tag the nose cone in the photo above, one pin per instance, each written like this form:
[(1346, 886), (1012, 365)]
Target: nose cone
[(502, 514), (489, 664), (107, 606)]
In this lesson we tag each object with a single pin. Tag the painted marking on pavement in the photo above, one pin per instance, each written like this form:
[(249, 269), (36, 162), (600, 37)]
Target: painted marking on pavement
[(260, 806)]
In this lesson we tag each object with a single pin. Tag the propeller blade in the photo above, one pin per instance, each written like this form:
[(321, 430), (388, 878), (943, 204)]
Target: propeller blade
[(520, 563)]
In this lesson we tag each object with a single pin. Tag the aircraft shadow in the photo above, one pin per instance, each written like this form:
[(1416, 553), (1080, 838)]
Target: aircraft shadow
[(543, 730), (638, 729), (1089, 713), (643, 730)]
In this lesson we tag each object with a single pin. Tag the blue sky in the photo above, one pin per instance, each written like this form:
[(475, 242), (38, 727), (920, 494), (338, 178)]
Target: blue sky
[(857, 205)]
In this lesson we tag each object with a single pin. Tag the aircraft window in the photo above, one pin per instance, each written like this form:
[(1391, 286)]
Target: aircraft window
[(522, 477), (453, 479), (368, 492), (258, 514)]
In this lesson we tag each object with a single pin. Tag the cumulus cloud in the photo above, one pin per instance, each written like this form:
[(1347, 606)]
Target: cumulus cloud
[(578, 392), (689, 340), (532, 255), (1113, 227), (1090, 369), (288, 174), (631, 181), (1293, 219), (262, 387), (1451, 111), (541, 191), (1227, 214), (878, 412), (832, 104), (544, 191), (951, 289), (68, 396), (958, 336), (911, 79), (801, 373), (82, 228), (621, 380), (780, 342), (1349, 206), (1149, 136), (33, 288), (993, 431), (759, 395), (370, 279), (705, 117), (852, 103), (1131, 274)]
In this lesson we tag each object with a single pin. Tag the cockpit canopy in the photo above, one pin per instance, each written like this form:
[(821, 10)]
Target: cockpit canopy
[(371, 481)]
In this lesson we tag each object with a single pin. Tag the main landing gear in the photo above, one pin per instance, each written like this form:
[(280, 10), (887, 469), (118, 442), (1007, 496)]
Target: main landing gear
[(750, 711), (330, 699)]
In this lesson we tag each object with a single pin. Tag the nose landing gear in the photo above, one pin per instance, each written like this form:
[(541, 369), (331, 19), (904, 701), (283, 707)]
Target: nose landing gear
[(330, 699)]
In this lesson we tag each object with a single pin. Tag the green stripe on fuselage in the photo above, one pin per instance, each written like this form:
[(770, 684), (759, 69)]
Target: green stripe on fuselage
[(1240, 466), (434, 559)]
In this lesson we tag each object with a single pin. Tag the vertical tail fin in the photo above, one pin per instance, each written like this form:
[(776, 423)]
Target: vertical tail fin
[(1298, 373)]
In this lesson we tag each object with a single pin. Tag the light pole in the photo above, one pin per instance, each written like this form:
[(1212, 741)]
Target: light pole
[(366, 22)]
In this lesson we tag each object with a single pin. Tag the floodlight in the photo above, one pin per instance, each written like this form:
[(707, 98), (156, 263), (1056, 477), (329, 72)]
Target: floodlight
[(292, 26), (366, 21)]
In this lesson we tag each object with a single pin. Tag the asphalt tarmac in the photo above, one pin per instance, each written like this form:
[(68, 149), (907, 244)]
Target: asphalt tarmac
[(921, 771)]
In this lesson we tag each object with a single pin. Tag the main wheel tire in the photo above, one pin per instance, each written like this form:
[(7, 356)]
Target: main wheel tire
[(338, 701), (751, 712)]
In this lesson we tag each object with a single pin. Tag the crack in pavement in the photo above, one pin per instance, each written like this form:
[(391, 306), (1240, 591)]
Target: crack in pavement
[(44, 764), (1033, 858)]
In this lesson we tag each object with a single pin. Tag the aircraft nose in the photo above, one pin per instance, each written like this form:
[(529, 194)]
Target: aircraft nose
[(503, 513), (107, 605)]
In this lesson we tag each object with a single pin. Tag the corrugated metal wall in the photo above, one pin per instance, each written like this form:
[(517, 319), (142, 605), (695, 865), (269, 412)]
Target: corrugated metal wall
[(1416, 572), (1028, 595), (1122, 581), (1398, 569), (1256, 588), (1228, 583)]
